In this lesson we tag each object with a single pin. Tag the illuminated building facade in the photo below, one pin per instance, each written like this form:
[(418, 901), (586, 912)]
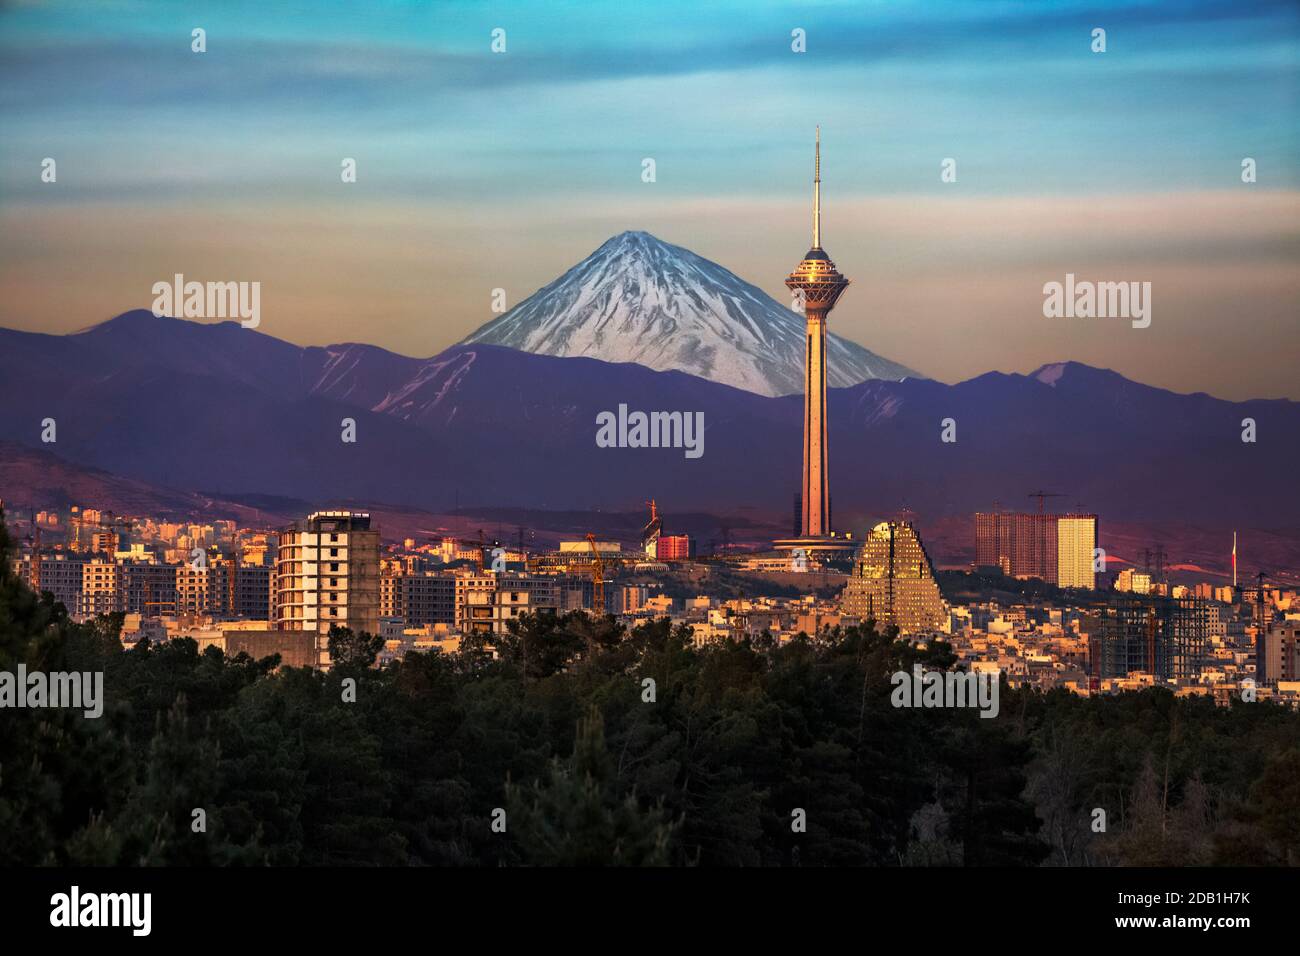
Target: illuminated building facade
[(1076, 541), (651, 532), (893, 582), (675, 547)]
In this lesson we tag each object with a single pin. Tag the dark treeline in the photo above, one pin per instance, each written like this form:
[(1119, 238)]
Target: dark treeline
[(556, 737)]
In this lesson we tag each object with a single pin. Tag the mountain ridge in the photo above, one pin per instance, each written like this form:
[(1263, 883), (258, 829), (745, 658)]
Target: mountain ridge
[(190, 405)]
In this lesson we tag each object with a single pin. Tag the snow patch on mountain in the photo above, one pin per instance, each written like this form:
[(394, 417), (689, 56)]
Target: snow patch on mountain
[(639, 299), (1050, 374)]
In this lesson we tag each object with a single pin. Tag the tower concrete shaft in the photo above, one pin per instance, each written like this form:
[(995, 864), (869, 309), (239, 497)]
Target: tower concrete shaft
[(816, 479)]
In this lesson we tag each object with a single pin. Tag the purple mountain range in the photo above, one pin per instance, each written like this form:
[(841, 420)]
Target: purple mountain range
[(230, 410)]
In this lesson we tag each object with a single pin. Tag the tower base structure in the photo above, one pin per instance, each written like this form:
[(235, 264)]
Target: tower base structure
[(817, 548)]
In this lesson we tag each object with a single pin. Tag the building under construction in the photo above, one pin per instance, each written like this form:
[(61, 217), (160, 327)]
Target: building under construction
[(1167, 637)]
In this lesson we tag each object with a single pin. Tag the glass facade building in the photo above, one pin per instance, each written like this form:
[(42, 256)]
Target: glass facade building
[(893, 582)]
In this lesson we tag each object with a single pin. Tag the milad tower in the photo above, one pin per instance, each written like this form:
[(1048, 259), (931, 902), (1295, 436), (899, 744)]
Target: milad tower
[(817, 285)]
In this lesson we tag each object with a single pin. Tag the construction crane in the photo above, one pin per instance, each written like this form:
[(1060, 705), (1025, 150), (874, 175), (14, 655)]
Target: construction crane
[(74, 526), (111, 524), (36, 554), (597, 578), (1260, 577), (231, 573), (1151, 639), (1040, 495), (146, 603)]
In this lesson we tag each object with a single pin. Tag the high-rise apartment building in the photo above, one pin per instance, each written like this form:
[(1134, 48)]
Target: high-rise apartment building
[(148, 589), (1058, 549), (192, 589), (487, 603), (252, 592), (1076, 542), (1277, 653), (327, 573), (893, 582), (98, 589), (474, 602), (427, 597), (237, 590), (63, 576), (675, 547)]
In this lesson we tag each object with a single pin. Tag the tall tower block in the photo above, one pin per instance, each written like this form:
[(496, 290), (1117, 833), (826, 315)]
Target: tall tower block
[(818, 285)]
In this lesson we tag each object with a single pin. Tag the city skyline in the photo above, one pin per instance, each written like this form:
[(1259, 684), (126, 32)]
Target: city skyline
[(402, 405), (538, 159), (287, 589)]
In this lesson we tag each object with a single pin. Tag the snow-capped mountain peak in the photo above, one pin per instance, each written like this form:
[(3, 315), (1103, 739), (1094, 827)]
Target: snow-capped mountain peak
[(640, 299)]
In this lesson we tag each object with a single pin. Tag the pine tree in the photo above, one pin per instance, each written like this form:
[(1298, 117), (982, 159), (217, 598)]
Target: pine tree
[(580, 816)]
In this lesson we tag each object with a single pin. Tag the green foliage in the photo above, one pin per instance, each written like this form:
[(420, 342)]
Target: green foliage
[(581, 816), (349, 651)]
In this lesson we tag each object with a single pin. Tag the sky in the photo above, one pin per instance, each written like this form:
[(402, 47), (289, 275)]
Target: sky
[(479, 170)]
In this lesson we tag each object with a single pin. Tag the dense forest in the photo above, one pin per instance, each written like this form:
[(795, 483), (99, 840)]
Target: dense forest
[(580, 742)]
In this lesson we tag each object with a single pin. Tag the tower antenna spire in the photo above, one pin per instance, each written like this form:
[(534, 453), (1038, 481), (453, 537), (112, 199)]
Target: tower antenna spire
[(817, 193)]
